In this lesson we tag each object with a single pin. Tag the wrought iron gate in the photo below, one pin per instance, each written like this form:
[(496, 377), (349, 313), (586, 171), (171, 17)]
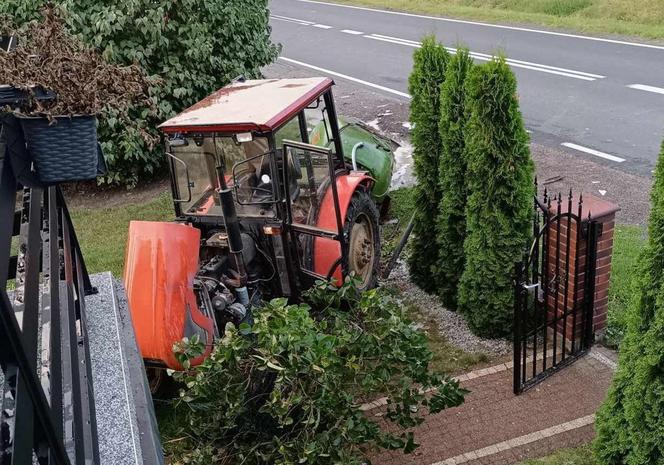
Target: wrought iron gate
[(554, 291)]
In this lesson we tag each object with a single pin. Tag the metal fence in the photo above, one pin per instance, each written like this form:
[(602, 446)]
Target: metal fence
[(553, 290), (47, 411)]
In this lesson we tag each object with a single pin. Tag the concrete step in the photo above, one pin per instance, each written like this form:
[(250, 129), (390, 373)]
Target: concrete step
[(126, 423)]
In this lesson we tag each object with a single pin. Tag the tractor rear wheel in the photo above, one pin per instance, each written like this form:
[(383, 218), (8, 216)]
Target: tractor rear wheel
[(363, 236)]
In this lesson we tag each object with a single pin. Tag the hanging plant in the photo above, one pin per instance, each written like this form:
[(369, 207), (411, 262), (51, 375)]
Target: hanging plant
[(60, 130)]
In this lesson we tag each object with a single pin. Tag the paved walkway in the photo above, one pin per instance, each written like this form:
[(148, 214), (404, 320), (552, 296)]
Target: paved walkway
[(495, 427)]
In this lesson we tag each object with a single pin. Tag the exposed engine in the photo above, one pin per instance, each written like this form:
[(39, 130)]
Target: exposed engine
[(223, 293)]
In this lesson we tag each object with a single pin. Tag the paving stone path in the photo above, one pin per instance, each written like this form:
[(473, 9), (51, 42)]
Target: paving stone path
[(495, 427)]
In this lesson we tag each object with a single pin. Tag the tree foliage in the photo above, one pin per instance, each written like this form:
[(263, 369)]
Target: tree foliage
[(630, 423), (194, 46), (430, 62), (288, 390), (500, 194), (451, 221)]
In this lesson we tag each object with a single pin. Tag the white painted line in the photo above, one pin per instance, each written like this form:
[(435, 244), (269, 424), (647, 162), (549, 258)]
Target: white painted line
[(116, 314), (484, 57), (497, 26), (519, 441), (322, 26), (657, 90), (352, 32), (415, 43), (594, 152), (346, 77), (292, 20)]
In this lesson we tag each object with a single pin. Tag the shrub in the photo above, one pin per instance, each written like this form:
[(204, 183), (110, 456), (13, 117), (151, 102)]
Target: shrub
[(290, 391), (631, 420), (424, 85), (500, 195), (451, 221), (195, 47)]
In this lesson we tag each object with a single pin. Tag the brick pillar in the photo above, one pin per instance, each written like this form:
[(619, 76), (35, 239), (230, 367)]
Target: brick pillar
[(596, 210)]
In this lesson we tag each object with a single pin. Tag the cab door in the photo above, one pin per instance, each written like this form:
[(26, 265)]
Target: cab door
[(313, 218)]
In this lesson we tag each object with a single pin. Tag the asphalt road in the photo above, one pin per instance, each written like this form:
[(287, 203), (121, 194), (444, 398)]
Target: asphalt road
[(596, 98)]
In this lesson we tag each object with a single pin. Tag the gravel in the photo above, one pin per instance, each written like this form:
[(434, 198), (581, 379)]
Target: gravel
[(450, 324)]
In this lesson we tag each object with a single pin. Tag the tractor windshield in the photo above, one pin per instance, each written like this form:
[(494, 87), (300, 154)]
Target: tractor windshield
[(200, 161)]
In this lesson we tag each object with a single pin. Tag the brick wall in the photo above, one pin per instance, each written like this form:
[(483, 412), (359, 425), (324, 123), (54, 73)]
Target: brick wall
[(566, 276)]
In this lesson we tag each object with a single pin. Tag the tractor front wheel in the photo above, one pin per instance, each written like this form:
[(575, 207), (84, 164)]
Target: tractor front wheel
[(363, 236)]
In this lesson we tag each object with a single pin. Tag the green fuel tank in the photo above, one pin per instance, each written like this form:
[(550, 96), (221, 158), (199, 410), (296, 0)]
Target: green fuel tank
[(375, 155)]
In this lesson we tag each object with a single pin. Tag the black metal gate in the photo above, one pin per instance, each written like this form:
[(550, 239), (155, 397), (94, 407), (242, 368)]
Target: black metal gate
[(554, 291)]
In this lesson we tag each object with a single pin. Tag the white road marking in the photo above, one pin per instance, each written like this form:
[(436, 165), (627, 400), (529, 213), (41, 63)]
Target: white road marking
[(582, 75), (322, 26), (594, 152), (352, 32), (292, 20), (497, 26), (657, 90), (348, 78)]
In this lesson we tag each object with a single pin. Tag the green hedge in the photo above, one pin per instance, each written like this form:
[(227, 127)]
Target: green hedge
[(451, 221), (424, 85), (194, 46), (291, 391), (630, 423), (500, 196)]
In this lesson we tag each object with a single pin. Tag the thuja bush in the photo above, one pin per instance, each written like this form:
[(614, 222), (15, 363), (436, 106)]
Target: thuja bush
[(194, 47), (451, 221), (430, 62), (288, 390), (500, 188), (630, 423)]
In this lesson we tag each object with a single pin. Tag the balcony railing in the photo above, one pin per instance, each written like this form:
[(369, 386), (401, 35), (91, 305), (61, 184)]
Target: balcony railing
[(47, 412)]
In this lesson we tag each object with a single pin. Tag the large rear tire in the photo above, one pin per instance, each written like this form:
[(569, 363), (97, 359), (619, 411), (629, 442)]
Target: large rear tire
[(361, 230)]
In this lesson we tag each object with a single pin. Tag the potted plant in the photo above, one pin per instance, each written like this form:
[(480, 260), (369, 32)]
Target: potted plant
[(61, 132)]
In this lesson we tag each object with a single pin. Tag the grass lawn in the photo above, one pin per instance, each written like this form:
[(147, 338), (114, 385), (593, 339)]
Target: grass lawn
[(629, 241), (102, 232), (644, 18), (580, 456)]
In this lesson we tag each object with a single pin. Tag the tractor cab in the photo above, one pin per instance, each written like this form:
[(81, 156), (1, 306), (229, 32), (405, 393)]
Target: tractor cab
[(272, 191)]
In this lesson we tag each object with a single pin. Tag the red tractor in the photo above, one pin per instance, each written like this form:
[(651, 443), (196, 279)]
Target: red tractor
[(272, 191)]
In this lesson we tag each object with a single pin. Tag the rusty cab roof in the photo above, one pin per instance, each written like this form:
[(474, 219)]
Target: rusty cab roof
[(254, 105)]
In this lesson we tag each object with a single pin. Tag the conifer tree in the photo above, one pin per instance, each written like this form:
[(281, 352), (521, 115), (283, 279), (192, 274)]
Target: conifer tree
[(451, 222), (500, 187), (630, 423), (430, 62)]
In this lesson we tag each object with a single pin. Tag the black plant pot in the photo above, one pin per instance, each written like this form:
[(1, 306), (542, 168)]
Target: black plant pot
[(64, 150)]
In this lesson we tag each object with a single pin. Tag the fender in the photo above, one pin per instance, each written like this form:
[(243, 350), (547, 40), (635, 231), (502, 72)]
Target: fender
[(161, 262), (327, 252)]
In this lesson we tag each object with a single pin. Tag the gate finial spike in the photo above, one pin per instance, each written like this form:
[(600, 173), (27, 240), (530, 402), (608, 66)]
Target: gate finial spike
[(570, 193), (546, 194), (581, 198)]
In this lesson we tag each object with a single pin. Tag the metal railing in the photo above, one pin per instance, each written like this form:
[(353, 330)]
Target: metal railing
[(47, 412)]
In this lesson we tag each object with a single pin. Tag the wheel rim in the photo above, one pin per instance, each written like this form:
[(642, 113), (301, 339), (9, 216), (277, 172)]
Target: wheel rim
[(361, 251)]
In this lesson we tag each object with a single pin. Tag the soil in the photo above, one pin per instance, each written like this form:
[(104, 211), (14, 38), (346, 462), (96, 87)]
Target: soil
[(90, 195)]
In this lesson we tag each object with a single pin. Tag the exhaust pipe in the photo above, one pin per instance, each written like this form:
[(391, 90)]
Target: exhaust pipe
[(234, 241)]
